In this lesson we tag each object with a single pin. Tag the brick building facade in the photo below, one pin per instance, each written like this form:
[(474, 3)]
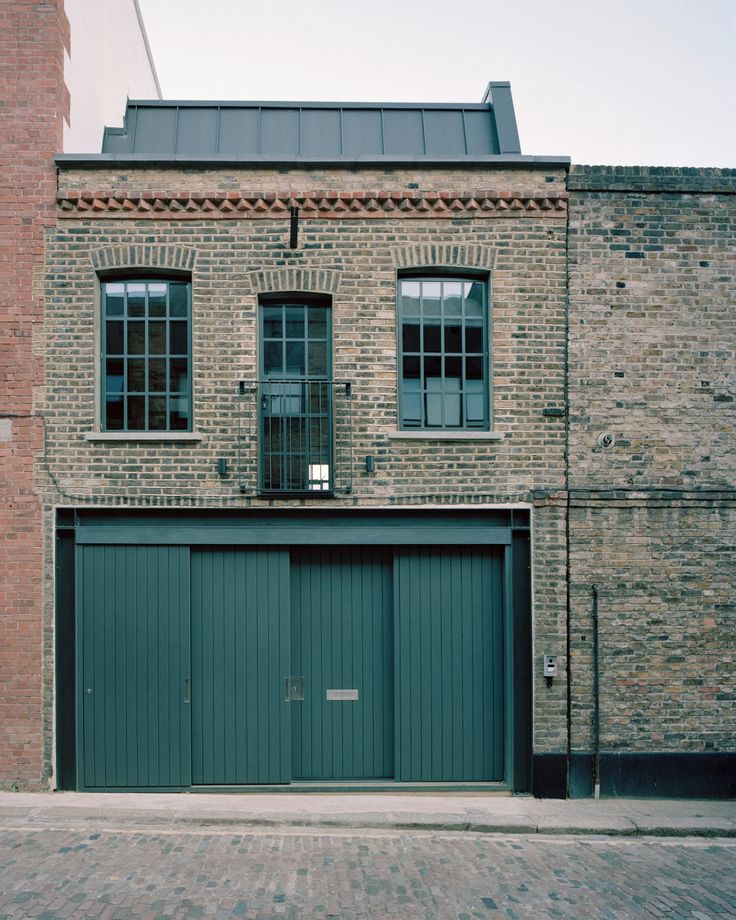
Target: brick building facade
[(32, 42), (651, 361), (595, 474)]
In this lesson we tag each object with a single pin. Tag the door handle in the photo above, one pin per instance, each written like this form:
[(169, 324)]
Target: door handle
[(187, 690), (293, 689)]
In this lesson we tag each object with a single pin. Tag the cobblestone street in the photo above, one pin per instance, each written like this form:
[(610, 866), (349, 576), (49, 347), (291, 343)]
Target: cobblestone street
[(144, 873)]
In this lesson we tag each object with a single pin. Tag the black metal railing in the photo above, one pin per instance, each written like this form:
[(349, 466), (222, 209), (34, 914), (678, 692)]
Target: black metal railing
[(304, 436)]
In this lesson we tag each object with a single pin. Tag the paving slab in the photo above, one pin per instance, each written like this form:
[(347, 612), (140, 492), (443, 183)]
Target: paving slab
[(412, 811)]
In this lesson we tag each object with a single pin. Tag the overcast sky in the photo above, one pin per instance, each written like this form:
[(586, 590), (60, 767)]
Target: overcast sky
[(648, 82)]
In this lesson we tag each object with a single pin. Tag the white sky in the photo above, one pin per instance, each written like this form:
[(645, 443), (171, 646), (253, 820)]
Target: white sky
[(648, 82)]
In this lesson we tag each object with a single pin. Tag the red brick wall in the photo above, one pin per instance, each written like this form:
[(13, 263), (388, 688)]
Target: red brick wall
[(33, 103)]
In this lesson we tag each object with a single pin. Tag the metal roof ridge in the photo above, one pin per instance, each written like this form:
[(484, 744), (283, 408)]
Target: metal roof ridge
[(280, 104)]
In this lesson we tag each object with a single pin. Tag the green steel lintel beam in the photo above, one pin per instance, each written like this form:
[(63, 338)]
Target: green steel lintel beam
[(276, 534)]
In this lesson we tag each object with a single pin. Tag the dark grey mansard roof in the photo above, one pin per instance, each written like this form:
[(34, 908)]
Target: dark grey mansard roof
[(315, 133)]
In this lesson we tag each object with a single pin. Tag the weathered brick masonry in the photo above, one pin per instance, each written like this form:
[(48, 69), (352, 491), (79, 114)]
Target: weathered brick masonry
[(354, 256), (34, 102), (652, 520), (649, 518), (612, 312)]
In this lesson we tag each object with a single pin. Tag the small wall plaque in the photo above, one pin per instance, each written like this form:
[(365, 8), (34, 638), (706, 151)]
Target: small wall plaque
[(341, 694)]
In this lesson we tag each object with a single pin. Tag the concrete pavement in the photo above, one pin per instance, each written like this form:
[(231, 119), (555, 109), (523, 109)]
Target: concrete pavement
[(453, 812)]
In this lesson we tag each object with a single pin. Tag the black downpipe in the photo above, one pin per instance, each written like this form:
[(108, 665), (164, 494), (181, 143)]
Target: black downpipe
[(596, 702), (294, 229), (568, 510)]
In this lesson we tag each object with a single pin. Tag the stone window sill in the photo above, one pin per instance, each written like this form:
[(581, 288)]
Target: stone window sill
[(427, 435), (160, 436)]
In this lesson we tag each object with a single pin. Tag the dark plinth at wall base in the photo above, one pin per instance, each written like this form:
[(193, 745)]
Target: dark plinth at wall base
[(580, 780), (549, 776), (660, 774), (670, 775)]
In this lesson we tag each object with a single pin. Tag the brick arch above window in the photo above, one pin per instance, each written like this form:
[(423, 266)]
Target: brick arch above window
[(308, 280), (148, 256), (434, 256)]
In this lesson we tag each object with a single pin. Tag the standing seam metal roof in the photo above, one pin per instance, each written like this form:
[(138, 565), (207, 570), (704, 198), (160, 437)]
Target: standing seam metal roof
[(328, 131)]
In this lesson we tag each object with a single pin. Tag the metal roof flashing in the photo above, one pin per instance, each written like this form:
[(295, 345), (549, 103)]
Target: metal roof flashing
[(171, 133), (145, 161)]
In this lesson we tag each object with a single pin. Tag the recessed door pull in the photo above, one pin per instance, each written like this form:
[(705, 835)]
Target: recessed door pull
[(187, 690), (293, 689)]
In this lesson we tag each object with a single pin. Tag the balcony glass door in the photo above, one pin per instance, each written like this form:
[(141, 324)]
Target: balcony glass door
[(295, 398)]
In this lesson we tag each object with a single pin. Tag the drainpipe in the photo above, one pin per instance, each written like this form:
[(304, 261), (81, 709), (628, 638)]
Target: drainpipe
[(596, 702)]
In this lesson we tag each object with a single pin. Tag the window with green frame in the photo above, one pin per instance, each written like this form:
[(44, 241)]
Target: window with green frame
[(443, 353), (146, 355), (296, 395)]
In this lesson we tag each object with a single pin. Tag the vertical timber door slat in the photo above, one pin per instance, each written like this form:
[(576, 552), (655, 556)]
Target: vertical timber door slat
[(240, 642), (132, 662), (450, 664), (342, 639)]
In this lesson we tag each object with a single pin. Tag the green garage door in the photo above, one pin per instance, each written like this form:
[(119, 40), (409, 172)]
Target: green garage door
[(184, 654), (133, 666), (449, 684), (240, 656), (342, 647)]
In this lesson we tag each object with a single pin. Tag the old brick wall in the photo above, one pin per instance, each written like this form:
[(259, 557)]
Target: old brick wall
[(652, 360), (650, 352), (665, 571), (34, 103), (353, 251)]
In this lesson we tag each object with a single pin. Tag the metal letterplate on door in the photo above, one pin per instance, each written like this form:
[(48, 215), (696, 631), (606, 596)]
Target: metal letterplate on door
[(293, 689), (341, 695)]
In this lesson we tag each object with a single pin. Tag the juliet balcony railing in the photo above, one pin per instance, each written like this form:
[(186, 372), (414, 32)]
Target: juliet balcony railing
[(304, 436)]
